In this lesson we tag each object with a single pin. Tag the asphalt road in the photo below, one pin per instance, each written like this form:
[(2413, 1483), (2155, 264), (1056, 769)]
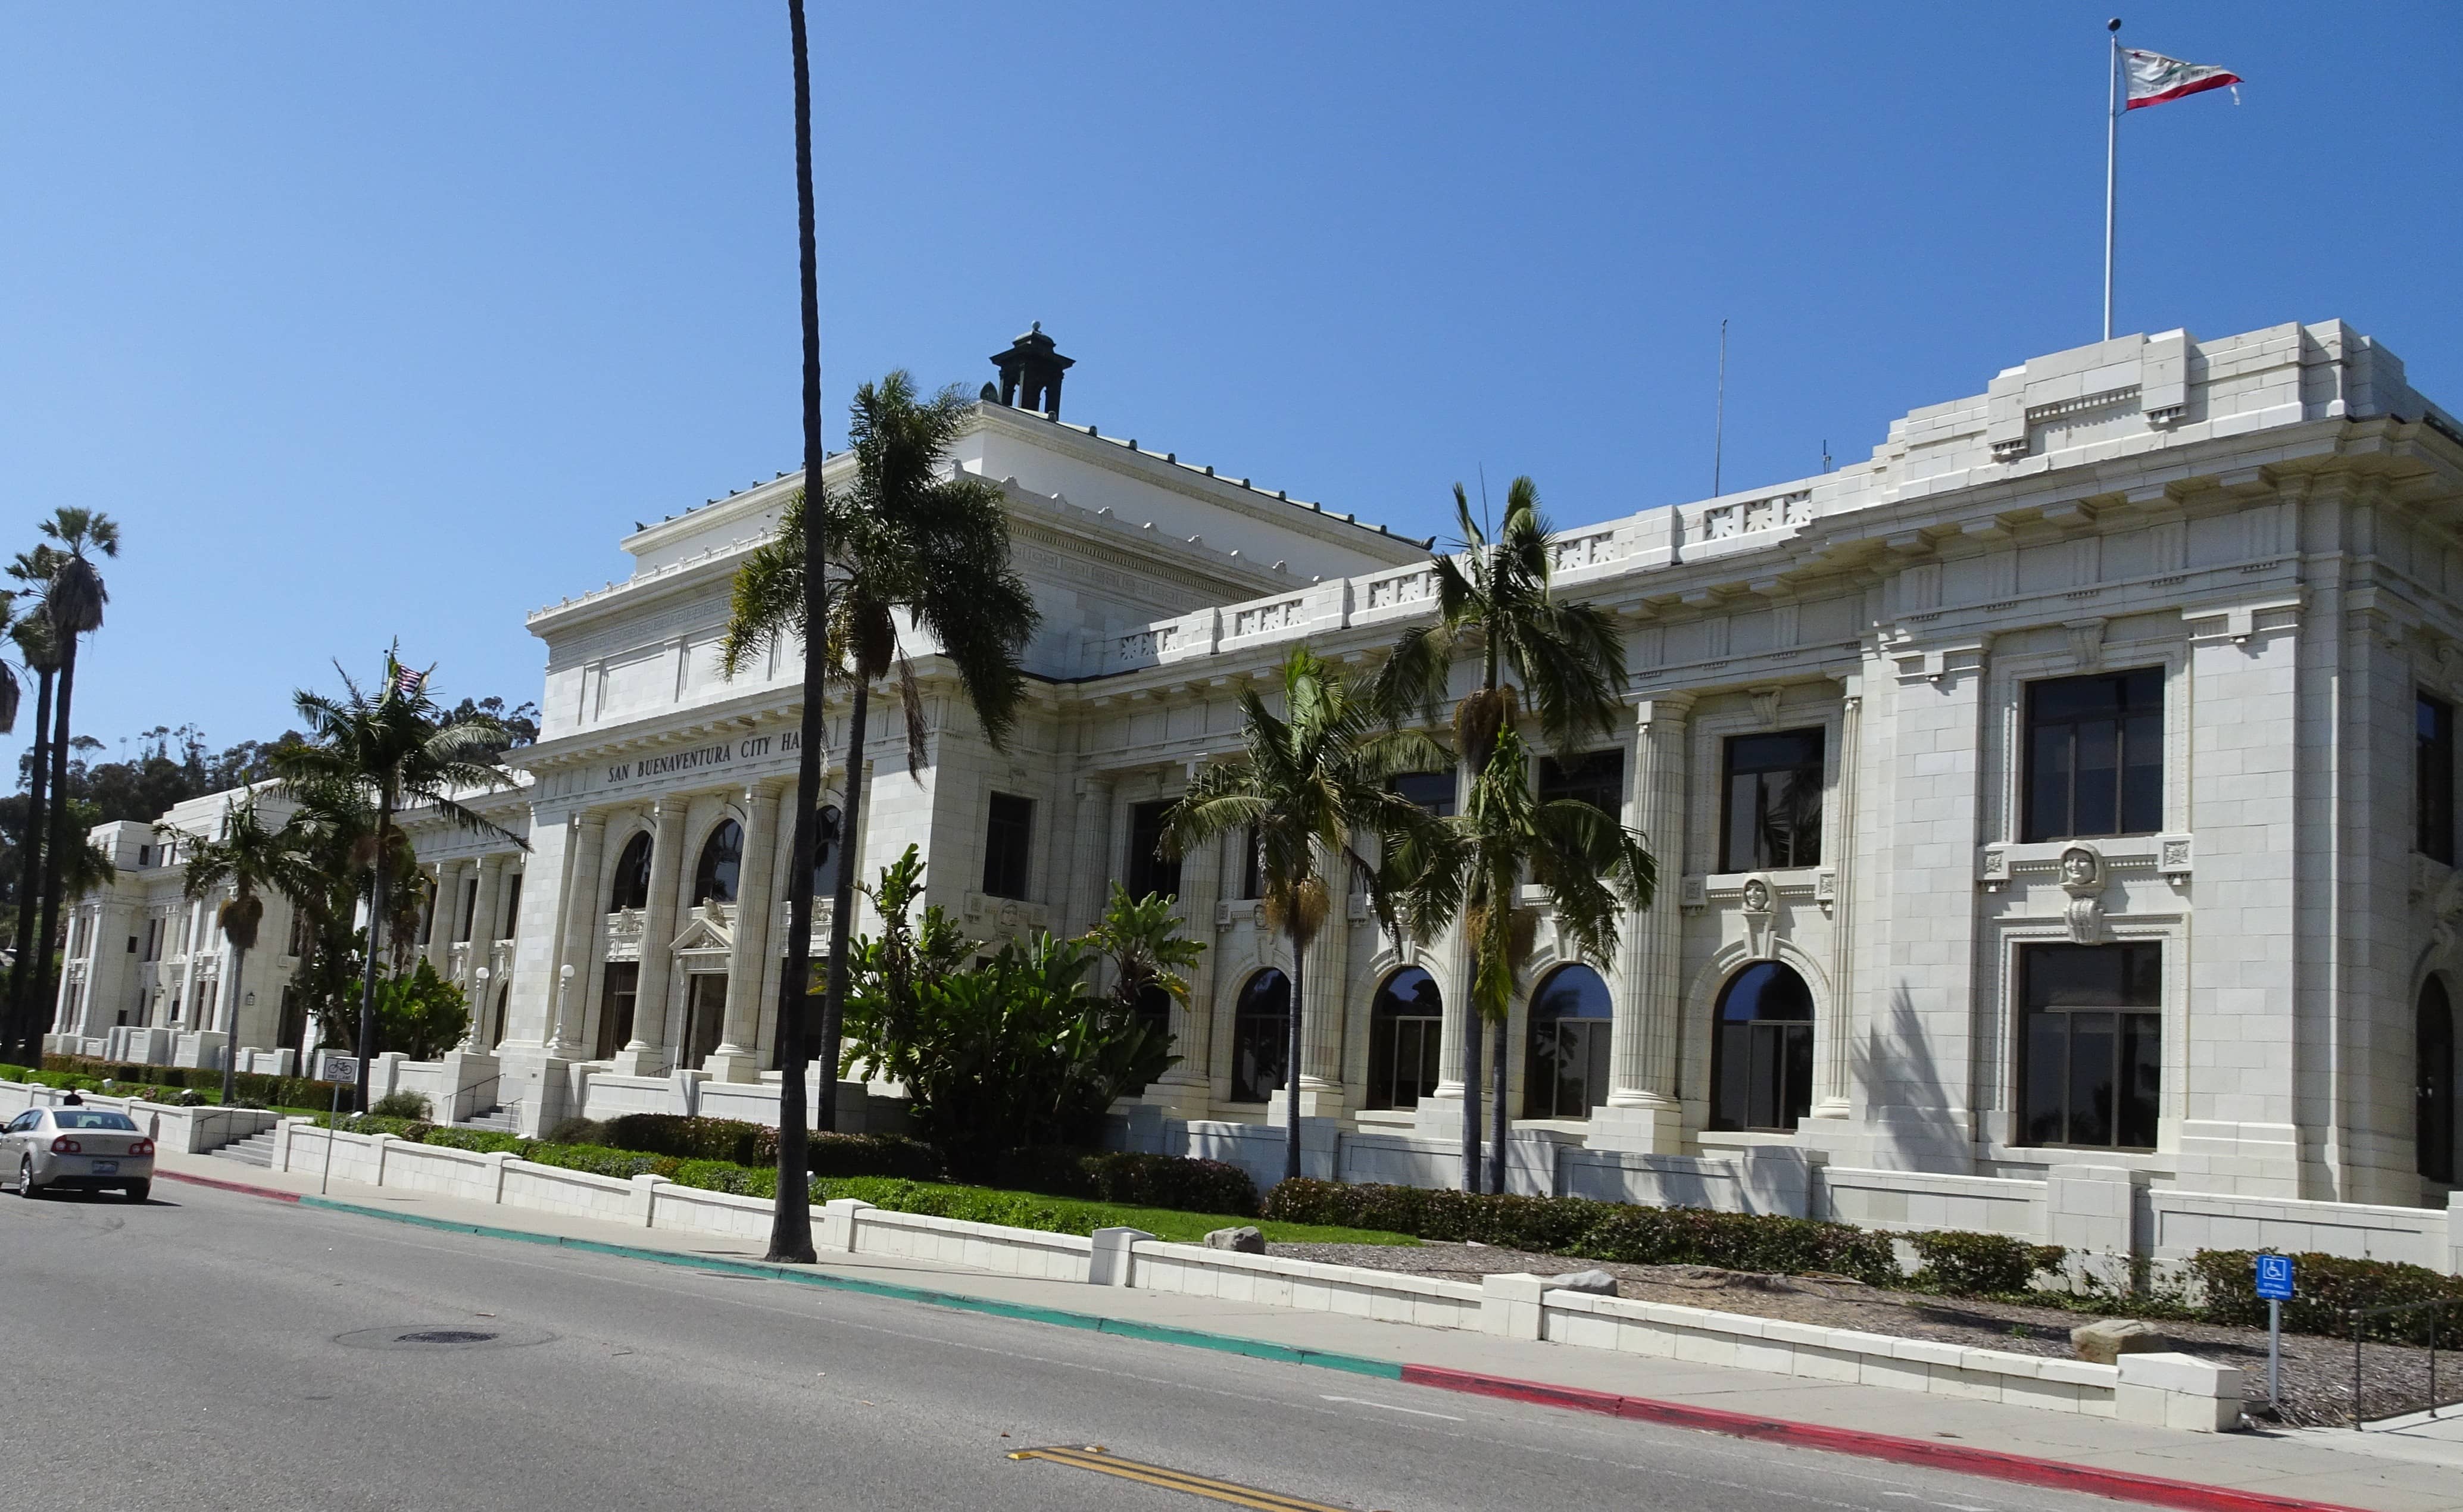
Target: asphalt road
[(210, 1349)]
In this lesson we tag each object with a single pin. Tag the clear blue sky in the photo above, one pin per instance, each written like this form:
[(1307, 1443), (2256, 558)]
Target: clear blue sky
[(371, 320)]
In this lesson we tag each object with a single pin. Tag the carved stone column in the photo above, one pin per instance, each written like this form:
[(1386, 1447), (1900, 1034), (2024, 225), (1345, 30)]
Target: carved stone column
[(475, 1035), (1090, 880), (442, 911), (1644, 1110), (579, 942), (645, 1053), (1185, 1088), (738, 1056), (1835, 1031)]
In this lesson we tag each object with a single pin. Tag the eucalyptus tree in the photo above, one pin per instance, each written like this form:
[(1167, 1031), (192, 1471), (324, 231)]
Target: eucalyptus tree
[(908, 537), (394, 748), (249, 858), (1534, 651), (1309, 783)]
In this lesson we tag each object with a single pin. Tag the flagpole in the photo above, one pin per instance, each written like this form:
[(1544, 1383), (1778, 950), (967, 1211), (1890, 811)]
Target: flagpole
[(2111, 156)]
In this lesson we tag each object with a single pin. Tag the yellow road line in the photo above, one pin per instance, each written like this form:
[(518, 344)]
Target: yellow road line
[(1093, 1457)]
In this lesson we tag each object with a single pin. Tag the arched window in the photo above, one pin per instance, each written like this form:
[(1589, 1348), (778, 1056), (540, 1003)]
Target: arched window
[(1261, 1030), (1406, 1025), (632, 888), (828, 830), (1761, 1050), (1567, 1072), (2434, 1096), (722, 856)]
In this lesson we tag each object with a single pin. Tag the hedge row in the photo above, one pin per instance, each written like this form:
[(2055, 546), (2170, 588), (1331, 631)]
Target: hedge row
[(1140, 1181), (737, 1142), (2328, 1289), (274, 1092)]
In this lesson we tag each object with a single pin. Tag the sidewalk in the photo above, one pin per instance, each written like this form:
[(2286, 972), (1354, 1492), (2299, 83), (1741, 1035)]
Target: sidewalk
[(2421, 1472)]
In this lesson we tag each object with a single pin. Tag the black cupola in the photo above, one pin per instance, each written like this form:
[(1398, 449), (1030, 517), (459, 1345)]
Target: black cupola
[(1030, 373)]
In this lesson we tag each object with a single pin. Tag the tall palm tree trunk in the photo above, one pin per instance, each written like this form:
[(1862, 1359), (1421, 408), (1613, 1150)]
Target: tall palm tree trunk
[(843, 905), (790, 1214), (55, 858), (1496, 1109), (1291, 1065), (368, 973), (1470, 1091), (36, 840), (230, 1019)]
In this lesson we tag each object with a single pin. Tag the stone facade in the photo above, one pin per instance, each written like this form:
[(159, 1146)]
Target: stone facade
[(2037, 803)]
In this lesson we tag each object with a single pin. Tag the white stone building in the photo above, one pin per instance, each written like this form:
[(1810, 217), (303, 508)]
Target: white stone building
[(2055, 814)]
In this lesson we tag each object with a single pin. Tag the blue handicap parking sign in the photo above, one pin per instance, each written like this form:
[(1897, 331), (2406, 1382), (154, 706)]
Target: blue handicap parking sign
[(2275, 1277)]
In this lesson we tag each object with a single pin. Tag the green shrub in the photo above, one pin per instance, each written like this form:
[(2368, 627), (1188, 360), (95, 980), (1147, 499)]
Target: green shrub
[(578, 1130), (1142, 1180), (403, 1105), (2327, 1289), (1961, 1264), (728, 1139)]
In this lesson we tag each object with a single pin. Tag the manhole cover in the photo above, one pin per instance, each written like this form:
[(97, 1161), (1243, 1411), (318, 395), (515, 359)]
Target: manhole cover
[(442, 1336)]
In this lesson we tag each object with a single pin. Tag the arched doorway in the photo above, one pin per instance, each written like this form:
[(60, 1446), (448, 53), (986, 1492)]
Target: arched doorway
[(1567, 1072), (1405, 1026), (2433, 1078), (1261, 1028), (1761, 1050)]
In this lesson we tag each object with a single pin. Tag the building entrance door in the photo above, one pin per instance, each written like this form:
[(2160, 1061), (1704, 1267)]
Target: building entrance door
[(704, 1016)]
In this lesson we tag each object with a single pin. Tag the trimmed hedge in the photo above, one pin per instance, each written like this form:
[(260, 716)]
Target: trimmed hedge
[(277, 1092), (738, 1142), (1960, 1264), (1140, 1181), (2327, 1287), (1615, 1231)]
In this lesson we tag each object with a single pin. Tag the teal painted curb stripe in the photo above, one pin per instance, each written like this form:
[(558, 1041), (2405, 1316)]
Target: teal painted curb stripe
[(1029, 1312)]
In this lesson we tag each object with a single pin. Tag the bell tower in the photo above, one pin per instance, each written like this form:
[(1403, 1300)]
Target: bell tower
[(1031, 371)]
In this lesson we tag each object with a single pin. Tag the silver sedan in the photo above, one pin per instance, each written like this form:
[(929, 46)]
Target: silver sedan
[(76, 1149)]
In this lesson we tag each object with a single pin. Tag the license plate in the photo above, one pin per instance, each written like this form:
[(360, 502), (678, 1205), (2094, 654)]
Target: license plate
[(106, 1168)]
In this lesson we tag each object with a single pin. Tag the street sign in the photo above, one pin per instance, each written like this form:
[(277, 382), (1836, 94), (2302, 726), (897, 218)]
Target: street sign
[(2275, 1277), (2275, 1284)]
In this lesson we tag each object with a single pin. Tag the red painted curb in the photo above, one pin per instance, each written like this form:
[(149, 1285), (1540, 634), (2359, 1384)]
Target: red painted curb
[(242, 1187), (2152, 1490)]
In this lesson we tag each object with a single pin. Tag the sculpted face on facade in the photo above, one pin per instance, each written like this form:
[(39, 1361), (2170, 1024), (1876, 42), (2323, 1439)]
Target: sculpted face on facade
[(2060, 669)]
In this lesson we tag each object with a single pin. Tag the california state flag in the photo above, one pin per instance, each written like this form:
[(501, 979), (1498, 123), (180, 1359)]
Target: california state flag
[(2154, 78)]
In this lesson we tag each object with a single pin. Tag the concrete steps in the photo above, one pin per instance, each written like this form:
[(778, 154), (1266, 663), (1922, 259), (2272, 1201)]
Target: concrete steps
[(256, 1150), (504, 1120)]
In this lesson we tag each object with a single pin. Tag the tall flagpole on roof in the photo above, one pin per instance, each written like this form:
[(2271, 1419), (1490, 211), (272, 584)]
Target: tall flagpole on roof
[(2111, 155)]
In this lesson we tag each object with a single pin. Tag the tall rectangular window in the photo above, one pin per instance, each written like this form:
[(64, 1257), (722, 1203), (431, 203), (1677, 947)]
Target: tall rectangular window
[(513, 907), (1772, 816), (1009, 831), (1150, 871), (469, 909), (1431, 790), (2432, 775), (2095, 756), (2091, 1044), (1594, 777), (1253, 867)]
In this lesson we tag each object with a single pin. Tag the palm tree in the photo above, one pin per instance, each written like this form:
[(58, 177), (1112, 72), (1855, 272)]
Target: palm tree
[(1495, 604), (249, 858), (1142, 939), (40, 648), (73, 602), (904, 540), (393, 748), (1307, 783), (1590, 868)]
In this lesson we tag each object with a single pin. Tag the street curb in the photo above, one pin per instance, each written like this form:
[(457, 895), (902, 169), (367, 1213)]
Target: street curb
[(243, 1188), (1984, 1464), (1989, 1463)]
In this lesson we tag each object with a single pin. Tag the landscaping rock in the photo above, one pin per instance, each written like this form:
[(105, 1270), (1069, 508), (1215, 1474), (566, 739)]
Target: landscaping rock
[(1597, 1282), (2106, 1339), (1245, 1240)]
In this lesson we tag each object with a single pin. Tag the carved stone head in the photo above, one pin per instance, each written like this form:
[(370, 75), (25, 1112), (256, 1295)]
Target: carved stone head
[(1757, 896)]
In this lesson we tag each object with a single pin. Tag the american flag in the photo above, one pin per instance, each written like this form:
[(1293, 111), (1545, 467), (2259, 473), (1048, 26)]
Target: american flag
[(406, 681)]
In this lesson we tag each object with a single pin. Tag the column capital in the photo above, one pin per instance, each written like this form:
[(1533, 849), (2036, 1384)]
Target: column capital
[(1661, 707)]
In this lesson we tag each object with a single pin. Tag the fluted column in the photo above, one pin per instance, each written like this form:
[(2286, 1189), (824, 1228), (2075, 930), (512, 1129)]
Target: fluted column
[(1090, 877), (738, 1056), (1835, 1030), (1644, 1110), (480, 956), (1185, 1086), (645, 1053), (443, 910), (1328, 981), (582, 921)]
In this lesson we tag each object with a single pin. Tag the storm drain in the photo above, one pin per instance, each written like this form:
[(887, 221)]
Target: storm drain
[(419, 1336), (444, 1337)]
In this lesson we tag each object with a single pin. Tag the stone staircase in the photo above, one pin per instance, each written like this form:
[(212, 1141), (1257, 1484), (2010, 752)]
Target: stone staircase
[(256, 1150), (504, 1120)]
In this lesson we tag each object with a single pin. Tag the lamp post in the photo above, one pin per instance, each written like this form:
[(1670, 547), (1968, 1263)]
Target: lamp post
[(472, 1034)]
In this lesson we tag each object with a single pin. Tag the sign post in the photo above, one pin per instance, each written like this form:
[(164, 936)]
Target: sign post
[(2275, 1284)]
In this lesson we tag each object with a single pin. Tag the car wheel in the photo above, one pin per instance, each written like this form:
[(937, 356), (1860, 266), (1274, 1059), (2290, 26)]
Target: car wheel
[(139, 1191), (26, 1177)]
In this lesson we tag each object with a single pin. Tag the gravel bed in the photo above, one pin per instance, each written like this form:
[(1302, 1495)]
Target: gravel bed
[(2316, 1372)]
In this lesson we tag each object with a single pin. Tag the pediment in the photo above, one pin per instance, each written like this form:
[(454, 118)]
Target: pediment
[(705, 928)]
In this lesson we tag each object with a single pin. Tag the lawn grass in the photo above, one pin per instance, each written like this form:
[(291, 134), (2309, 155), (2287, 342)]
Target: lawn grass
[(1068, 1215)]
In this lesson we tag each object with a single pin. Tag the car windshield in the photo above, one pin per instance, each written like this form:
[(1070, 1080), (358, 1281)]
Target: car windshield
[(83, 1118)]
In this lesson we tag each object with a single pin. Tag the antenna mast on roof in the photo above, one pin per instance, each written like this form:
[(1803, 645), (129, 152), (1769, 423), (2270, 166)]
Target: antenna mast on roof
[(1719, 425)]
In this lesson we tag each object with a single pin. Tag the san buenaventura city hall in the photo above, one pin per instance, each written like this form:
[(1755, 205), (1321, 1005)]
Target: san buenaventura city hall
[(2056, 809)]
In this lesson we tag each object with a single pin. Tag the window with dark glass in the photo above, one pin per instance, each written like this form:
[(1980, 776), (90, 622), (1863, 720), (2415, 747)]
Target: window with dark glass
[(1009, 832), (1772, 813), (632, 889), (2095, 755), (1262, 1032), (2432, 774), (1594, 777), (616, 1007), (1431, 790), (1253, 867), (513, 907), (2434, 1070), (1761, 1050), (1567, 1074), (468, 910), (1150, 871), (1405, 1026), (2091, 1044), (722, 856), (827, 837)]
